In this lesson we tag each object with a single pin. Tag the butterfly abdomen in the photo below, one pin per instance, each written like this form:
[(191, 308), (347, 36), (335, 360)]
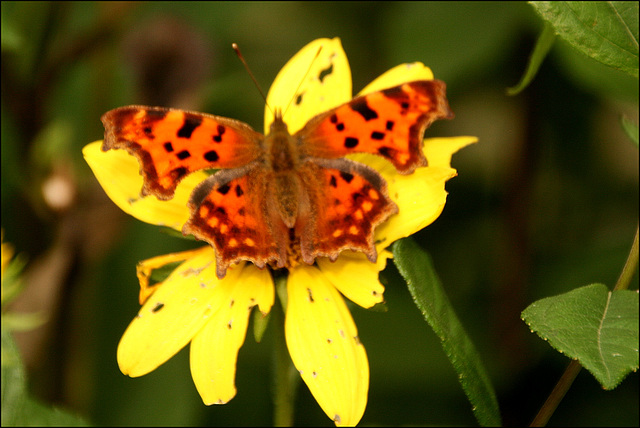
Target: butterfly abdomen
[(282, 161)]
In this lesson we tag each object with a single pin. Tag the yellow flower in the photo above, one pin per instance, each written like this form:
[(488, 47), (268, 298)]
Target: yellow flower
[(6, 253), (193, 306)]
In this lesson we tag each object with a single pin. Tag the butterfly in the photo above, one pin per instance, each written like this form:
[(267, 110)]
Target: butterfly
[(282, 198)]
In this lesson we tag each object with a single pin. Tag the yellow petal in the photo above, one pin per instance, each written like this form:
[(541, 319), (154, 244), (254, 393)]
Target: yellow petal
[(310, 83), (420, 198), (118, 174), (145, 269), (7, 255), (398, 75), (214, 349), (439, 150), (174, 313), (324, 346), (355, 276)]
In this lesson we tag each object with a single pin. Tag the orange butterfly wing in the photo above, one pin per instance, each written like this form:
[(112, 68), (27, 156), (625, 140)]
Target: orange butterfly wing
[(348, 201), (389, 123), (239, 210), (228, 212), (170, 144)]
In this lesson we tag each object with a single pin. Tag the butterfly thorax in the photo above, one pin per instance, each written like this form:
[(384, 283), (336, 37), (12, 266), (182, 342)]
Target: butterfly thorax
[(282, 161), (280, 147)]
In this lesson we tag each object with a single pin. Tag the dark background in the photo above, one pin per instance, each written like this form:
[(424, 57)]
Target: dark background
[(546, 202)]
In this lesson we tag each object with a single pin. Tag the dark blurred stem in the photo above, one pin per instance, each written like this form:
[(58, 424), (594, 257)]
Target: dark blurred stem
[(629, 267), (285, 377), (574, 366), (557, 394)]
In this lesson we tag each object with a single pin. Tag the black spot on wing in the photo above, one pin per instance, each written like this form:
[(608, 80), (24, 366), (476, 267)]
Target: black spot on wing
[(351, 142), (218, 137), (211, 156), (179, 172), (361, 107), (339, 125), (385, 151), (357, 197), (346, 176), (155, 115), (190, 124)]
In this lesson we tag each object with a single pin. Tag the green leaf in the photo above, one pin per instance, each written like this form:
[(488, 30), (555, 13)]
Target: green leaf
[(605, 31), (21, 321), (161, 273), (260, 324), (415, 266), (597, 327), (18, 409), (13, 382), (10, 37), (544, 43), (37, 414), (630, 128)]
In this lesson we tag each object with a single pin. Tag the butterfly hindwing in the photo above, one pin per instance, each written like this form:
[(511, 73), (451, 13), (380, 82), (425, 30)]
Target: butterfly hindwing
[(170, 144), (226, 213), (348, 202), (389, 123)]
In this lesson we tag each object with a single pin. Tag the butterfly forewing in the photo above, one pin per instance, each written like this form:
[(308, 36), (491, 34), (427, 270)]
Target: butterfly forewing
[(170, 144), (389, 123)]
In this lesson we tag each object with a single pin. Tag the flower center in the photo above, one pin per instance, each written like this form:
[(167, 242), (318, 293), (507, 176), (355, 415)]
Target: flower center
[(294, 253)]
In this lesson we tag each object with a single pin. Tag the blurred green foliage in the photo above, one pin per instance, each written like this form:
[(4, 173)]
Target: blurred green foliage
[(547, 201)]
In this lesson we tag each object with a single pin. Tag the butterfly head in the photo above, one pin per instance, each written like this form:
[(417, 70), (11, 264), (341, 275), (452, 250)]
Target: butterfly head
[(278, 125)]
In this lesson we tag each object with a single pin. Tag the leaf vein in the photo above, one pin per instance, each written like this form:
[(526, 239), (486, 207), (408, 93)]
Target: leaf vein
[(624, 24), (600, 328), (603, 38)]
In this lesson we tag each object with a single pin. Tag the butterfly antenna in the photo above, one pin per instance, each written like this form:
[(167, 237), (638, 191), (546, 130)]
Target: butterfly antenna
[(246, 66), (295, 94)]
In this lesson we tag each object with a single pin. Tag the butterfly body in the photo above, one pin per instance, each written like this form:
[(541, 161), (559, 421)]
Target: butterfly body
[(281, 199), (282, 158)]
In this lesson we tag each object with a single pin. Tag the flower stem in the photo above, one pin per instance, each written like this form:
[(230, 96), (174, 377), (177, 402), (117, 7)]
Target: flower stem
[(629, 267), (285, 376), (574, 366), (557, 394)]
